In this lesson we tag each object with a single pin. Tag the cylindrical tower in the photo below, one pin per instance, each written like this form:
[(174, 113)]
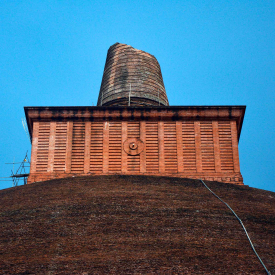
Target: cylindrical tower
[(131, 78)]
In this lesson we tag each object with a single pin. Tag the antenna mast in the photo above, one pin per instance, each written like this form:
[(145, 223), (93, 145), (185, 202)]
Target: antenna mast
[(26, 128), (21, 172)]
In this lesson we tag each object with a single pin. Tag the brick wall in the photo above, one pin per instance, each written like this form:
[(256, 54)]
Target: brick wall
[(192, 149)]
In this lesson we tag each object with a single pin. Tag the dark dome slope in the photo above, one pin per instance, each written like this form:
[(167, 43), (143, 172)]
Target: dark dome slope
[(134, 224)]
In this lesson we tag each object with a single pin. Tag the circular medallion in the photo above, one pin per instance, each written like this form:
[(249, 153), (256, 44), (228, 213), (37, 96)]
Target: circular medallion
[(133, 146)]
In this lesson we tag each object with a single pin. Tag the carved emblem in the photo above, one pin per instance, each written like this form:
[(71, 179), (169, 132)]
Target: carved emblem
[(133, 146)]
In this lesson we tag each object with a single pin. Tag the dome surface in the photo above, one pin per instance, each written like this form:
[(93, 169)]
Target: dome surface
[(134, 225), (131, 78)]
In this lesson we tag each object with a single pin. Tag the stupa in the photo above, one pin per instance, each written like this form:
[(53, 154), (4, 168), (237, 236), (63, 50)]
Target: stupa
[(133, 130)]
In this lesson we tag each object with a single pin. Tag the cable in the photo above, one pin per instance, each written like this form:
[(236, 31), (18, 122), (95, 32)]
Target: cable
[(240, 221)]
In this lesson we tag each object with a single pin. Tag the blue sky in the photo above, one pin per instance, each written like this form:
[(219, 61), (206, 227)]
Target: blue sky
[(52, 53)]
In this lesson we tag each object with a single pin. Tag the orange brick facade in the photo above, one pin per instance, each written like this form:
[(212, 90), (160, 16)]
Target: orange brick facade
[(191, 142)]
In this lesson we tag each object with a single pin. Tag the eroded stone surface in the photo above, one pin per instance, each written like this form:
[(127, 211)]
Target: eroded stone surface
[(132, 77)]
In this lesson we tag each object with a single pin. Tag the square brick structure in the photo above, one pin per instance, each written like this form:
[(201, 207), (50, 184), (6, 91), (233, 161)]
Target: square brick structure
[(198, 142)]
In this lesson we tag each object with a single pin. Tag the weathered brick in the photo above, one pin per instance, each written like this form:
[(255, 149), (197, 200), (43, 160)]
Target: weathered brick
[(192, 142)]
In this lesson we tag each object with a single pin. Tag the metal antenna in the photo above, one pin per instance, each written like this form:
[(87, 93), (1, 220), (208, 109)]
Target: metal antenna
[(26, 128), (13, 171), (21, 172), (129, 96)]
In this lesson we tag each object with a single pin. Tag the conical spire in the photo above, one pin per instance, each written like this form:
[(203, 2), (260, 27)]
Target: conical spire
[(131, 77)]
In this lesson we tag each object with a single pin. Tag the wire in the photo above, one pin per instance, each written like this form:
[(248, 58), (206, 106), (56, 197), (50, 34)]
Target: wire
[(240, 221), (13, 163)]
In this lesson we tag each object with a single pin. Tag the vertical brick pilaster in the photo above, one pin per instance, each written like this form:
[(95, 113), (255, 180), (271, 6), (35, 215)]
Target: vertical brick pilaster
[(124, 155), (216, 146), (34, 147), (142, 132), (69, 147), (161, 146), (106, 147), (235, 149), (51, 146), (87, 147), (179, 146), (198, 146)]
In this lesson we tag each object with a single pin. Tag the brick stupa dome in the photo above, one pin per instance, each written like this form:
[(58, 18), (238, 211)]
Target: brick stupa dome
[(133, 72), (134, 225)]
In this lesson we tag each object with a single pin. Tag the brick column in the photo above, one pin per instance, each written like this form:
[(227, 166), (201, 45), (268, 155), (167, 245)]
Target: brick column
[(179, 146), (34, 147), (216, 146), (51, 147), (87, 147), (161, 146), (69, 147), (234, 135), (142, 133), (105, 147), (198, 146), (123, 153)]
